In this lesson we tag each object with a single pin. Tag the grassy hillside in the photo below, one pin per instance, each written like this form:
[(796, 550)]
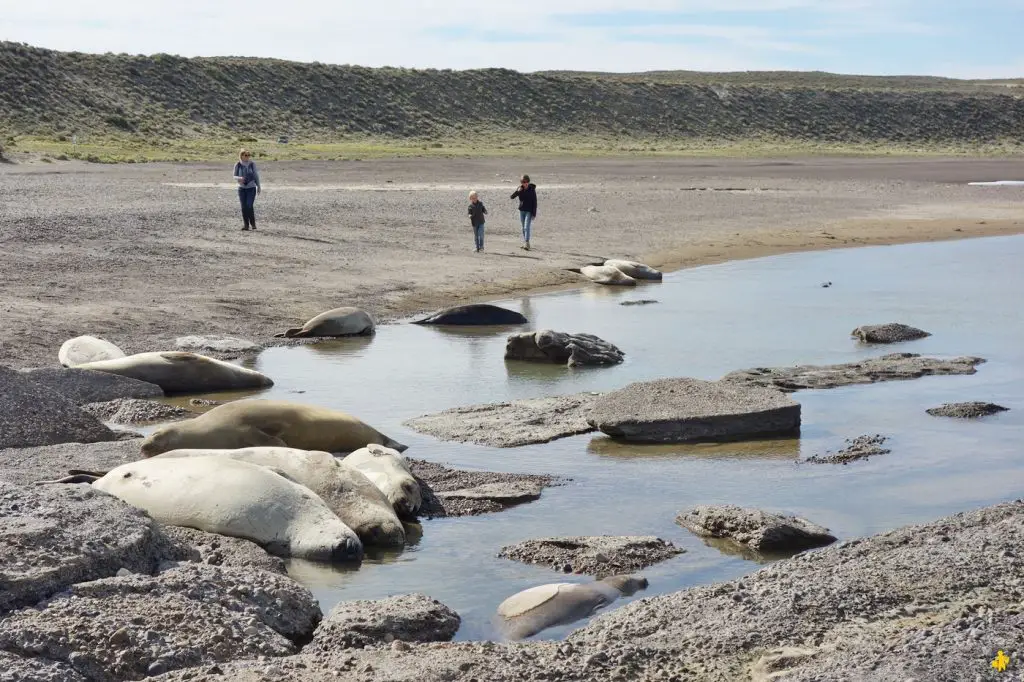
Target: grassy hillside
[(141, 105)]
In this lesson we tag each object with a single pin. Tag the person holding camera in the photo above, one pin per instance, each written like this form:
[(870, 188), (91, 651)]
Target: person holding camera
[(527, 194)]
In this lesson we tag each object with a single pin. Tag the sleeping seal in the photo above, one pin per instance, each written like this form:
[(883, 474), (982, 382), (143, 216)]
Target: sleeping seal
[(182, 372), (538, 608), (251, 423), (389, 471), (346, 321), (229, 497)]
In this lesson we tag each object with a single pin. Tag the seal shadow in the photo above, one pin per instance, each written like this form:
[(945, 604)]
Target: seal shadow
[(780, 447)]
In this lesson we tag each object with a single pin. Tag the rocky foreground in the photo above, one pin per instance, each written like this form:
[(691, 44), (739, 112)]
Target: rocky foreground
[(930, 602)]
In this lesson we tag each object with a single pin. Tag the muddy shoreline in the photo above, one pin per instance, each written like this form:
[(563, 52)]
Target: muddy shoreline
[(143, 254)]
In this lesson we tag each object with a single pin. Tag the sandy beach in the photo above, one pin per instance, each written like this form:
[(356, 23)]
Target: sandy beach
[(142, 254)]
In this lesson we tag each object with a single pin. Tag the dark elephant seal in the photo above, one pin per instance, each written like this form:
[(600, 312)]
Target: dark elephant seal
[(538, 608), (254, 423), (475, 314), (182, 372), (346, 321)]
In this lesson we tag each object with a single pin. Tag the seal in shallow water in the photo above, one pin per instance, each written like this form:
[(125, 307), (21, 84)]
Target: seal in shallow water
[(250, 423), (475, 314), (345, 321), (389, 471), (634, 269), (182, 372), (538, 608)]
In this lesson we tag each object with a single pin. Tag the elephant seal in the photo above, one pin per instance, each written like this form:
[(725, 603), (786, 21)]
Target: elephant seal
[(634, 269), (347, 321), (182, 372), (346, 491), (389, 470), (250, 423), (229, 497), (606, 274), (475, 314), (83, 349), (538, 608)]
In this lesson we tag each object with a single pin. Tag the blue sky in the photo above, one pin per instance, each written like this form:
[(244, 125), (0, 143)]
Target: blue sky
[(957, 38)]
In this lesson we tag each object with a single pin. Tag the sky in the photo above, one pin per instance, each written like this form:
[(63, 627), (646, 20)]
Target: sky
[(955, 38)]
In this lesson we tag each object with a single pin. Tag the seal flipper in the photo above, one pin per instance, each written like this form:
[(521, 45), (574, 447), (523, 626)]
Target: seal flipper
[(290, 333), (75, 478)]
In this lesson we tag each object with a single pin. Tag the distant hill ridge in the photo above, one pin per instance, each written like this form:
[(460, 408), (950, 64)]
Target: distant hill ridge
[(49, 93)]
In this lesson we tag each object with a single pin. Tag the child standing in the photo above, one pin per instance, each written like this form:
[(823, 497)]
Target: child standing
[(477, 211)]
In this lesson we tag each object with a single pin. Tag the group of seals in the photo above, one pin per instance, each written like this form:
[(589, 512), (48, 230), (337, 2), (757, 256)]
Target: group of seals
[(616, 272), (236, 498)]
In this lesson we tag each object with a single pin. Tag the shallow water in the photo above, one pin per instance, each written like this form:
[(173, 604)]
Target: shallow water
[(708, 321)]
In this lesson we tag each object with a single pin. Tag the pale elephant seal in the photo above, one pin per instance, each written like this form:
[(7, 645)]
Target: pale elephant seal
[(634, 269), (346, 491), (229, 497), (83, 349), (606, 274), (475, 314), (252, 423), (181, 372), (389, 470), (345, 321), (538, 608)]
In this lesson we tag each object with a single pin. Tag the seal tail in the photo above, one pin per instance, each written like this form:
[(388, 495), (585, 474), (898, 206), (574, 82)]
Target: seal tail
[(292, 333)]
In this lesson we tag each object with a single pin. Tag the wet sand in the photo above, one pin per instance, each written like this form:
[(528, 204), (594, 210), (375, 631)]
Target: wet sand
[(142, 254)]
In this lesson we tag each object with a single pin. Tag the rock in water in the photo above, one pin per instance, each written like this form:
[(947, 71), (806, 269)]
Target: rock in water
[(561, 348), (969, 410), (892, 332), (599, 556), (892, 367), (860, 447), (759, 530), (681, 410)]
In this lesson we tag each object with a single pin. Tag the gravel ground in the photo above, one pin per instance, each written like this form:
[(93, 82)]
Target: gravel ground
[(143, 254)]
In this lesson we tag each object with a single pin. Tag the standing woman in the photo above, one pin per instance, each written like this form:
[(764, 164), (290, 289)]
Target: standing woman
[(248, 179), (527, 194)]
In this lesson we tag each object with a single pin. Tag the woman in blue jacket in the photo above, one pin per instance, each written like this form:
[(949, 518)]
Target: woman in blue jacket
[(527, 194), (248, 179)]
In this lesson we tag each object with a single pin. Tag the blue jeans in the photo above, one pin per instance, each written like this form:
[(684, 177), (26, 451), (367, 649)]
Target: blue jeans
[(526, 218), (247, 196), (478, 235)]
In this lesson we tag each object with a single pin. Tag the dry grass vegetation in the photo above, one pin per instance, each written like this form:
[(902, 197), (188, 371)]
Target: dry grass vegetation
[(136, 108)]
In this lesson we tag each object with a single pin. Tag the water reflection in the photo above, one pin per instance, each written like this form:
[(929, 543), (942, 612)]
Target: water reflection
[(775, 448)]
